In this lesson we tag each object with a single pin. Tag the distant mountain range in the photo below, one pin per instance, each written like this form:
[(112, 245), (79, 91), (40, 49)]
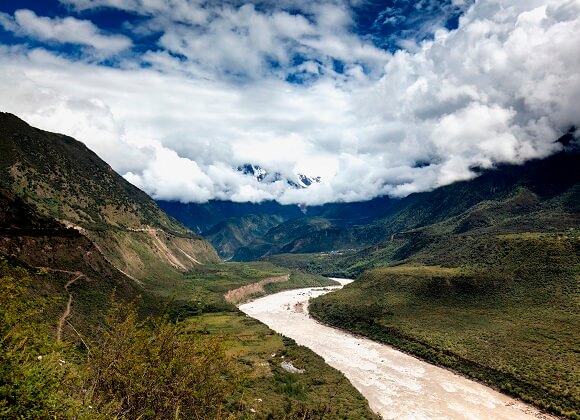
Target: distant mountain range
[(341, 227), (217, 220)]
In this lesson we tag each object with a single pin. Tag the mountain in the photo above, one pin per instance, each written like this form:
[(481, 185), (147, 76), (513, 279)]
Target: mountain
[(64, 180), (201, 217), (538, 196), (262, 175), (546, 188), (479, 276), (58, 255), (209, 218), (232, 234)]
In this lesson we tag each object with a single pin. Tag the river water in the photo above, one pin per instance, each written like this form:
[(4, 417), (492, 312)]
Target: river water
[(397, 386)]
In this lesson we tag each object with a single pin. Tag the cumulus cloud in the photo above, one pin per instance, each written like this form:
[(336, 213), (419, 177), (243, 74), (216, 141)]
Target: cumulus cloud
[(220, 89), (66, 30)]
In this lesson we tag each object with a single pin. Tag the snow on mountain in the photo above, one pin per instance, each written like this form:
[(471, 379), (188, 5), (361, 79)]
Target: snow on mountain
[(262, 175)]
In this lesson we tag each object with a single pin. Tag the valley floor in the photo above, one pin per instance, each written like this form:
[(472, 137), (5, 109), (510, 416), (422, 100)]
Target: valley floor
[(395, 384)]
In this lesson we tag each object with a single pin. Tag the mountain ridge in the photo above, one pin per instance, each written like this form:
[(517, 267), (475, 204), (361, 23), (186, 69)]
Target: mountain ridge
[(123, 222), (545, 179)]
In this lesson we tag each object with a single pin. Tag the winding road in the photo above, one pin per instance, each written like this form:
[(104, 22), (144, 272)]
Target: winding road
[(68, 307), (397, 386)]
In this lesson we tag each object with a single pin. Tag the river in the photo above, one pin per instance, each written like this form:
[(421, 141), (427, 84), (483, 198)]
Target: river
[(397, 386)]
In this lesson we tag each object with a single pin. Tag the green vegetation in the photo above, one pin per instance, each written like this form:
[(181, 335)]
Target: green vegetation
[(202, 290), (299, 280), (154, 369), (503, 309), (215, 365), (319, 392), (127, 368), (324, 263), (29, 386)]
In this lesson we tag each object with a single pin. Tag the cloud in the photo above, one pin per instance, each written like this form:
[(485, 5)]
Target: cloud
[(67, 30), (215, 92), (241, 40)]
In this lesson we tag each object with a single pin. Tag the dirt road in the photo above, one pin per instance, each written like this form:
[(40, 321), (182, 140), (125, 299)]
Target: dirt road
[(241, 293), (67, 310)]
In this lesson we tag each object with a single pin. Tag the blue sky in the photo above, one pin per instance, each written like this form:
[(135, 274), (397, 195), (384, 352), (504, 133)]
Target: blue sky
[(389, 25), (176, 94)]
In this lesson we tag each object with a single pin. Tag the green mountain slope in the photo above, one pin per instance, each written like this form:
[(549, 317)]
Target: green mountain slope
[(482, 277), (58, 255), (539, 196), (347, 227), (65, 180), (500, 308)]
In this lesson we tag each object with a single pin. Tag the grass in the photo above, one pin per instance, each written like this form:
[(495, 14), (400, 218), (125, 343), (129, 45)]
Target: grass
[(320, 392), (502, 309), (202, 290)]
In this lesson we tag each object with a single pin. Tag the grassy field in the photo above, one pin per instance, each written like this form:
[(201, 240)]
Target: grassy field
[(268, 390), (202, 290)]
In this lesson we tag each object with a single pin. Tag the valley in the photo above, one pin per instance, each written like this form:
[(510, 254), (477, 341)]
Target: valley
[(480, 277), (396, 384), (289, 210), (112, 308)]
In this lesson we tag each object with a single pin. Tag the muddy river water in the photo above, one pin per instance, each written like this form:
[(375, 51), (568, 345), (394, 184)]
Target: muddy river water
[(397, 386)]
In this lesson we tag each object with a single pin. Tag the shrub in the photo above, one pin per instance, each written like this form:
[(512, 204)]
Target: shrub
[(155, 369)]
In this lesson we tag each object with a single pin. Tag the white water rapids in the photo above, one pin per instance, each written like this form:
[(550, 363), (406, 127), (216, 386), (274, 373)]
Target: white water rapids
[(397, 386)]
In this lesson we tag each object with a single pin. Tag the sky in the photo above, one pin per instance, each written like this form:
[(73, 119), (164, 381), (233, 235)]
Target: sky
[(374, 97)]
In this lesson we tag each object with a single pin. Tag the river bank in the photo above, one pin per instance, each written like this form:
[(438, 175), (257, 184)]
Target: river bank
[(396, 385)]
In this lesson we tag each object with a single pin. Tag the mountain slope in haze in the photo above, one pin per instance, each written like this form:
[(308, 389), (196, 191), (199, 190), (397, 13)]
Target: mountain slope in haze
[(201, 217), (63, 179), (214, 221), (232, 234)]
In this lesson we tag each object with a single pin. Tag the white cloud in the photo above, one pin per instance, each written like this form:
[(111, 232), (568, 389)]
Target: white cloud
[(500, 88), (63, 31), (239, 40)]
